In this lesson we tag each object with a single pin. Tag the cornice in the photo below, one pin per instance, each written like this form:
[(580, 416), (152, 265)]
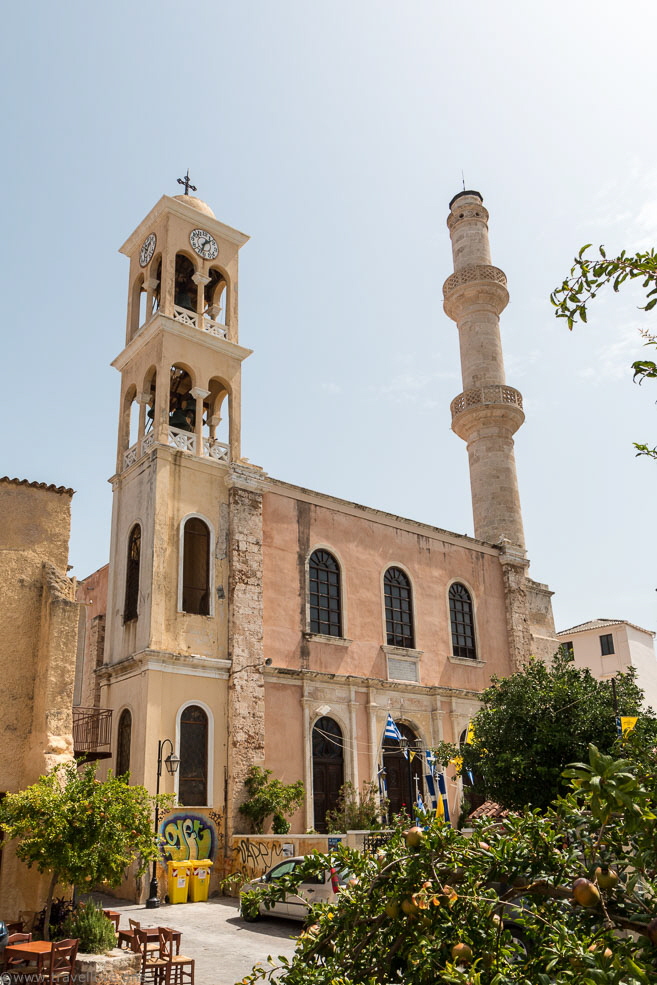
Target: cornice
[(187, 212), (163, 323)]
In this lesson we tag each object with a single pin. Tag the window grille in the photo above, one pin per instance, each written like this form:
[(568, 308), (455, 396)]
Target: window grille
[(462, 621), (130, 609), (399, 608), (193, 774), (196, 567), (325, 602)]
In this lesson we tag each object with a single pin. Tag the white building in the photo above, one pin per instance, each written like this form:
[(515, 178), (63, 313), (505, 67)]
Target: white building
[(607, 646)]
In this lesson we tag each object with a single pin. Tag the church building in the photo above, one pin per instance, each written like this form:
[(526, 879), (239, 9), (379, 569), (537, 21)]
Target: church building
[(252, 621)]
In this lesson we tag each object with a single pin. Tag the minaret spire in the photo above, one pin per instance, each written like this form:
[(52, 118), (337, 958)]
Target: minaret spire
[(488, 412)]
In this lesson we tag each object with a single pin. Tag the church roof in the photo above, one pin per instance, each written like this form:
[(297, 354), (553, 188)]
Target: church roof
[(196, 203), (49, 487), (602, 624)]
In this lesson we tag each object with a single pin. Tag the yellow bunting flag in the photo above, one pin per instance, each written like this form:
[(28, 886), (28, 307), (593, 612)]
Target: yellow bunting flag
[(627, 723)]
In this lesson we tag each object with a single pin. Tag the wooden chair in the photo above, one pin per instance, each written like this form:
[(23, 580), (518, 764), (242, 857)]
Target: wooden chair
[(179, 968), (61, 964), (127, 937), (153, 968), (18, 965)]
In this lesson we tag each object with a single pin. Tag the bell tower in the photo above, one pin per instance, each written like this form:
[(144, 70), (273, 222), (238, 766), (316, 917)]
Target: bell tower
[(186, 508)]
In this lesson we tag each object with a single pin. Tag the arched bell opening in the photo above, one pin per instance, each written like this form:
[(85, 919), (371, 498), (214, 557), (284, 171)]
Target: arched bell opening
[(403, 766), (328, 769), (185, 290), (127, 418), (137, 315), (155, 294), (182, 405), (216, 422), (150, 394), (215, 295)]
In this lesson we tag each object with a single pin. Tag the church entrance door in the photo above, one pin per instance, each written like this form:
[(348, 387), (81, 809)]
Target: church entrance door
[(404, 778), (328, 769)]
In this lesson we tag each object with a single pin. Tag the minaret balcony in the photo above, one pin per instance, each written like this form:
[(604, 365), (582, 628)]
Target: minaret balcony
[(183, 441), (203, 322), (495, 404)]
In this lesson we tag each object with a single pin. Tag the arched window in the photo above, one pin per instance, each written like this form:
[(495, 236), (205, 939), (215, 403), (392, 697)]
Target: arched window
[(196, 567), (399, 608), (193, 773), (328, 769), (403, 772), (123, 737), (324, 591), (462, 620), (130, 608)]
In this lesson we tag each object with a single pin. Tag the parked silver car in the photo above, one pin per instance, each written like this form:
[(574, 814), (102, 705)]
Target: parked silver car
[(314, 889)]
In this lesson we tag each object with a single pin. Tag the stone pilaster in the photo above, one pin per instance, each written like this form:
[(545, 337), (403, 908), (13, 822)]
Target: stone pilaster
[(246, 700), (514, 569)]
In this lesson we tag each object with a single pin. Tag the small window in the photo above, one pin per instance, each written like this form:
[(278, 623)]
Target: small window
[(123, 738), (196, 567), (193, 777), (462, 620), (325, 603), (130, 609), (569, 649), (399, 609), (606, 644)]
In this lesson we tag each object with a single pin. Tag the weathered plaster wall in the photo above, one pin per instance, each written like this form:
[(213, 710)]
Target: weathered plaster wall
[(38, 641)]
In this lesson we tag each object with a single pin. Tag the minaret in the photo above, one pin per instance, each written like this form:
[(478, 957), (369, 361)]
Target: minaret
[(488, 412)]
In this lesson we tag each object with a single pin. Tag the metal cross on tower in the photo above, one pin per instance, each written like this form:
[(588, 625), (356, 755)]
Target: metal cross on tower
[(187, 183)]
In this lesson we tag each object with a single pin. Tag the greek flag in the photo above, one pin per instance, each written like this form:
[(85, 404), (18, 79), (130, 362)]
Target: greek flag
[(391, 730), (442, 791)]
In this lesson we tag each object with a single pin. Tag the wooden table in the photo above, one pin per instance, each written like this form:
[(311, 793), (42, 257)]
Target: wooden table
[(33, 952)]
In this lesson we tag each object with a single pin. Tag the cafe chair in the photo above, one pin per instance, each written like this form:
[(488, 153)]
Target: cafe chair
[(60, 966), (126, 938), (179, 968), (12, 965), (153, 968)]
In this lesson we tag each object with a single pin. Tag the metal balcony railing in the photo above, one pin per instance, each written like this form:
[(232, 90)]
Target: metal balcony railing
[(92, 733)]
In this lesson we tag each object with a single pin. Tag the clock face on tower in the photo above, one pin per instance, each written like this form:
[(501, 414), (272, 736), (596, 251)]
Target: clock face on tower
[(147, 250), (204, 244)]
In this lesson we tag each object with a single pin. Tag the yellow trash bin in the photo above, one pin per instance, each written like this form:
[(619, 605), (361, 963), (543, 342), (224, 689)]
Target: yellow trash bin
[(177, 881), (199, 882)]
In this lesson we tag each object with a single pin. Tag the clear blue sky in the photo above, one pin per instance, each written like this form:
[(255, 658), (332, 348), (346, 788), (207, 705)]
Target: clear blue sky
[(335, 135)]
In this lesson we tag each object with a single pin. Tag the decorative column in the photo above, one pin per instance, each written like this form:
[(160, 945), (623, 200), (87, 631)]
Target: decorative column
[(199, 396)]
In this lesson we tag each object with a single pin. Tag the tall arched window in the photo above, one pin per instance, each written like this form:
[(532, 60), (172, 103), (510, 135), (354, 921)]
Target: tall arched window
[(196, 567), (462, 619), (328, 769), (324, 592), (193, 772), (131, 606), (399, 608), (123, 737)]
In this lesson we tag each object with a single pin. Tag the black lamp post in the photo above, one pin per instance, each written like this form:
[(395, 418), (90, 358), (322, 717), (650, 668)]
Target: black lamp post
[(172, 763)]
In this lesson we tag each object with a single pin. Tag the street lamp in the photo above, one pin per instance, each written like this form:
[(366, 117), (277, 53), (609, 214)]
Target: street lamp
[(172, 762)]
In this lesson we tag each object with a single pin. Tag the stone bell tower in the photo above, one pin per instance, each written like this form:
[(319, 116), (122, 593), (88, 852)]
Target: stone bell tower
[(486, 415)]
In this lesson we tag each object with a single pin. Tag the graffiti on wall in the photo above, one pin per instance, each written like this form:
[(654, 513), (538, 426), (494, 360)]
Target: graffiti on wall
[(188, 836), (252, 857)]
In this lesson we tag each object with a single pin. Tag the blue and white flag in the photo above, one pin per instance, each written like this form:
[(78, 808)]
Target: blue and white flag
[(391, 730), (442, 792), (428, 777)]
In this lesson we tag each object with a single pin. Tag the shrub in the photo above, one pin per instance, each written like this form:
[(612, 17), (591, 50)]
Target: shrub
[(355, 811), (267, 797), (90, 925)]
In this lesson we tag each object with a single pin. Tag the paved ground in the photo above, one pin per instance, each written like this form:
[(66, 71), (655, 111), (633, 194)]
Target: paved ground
[(224, 946)]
